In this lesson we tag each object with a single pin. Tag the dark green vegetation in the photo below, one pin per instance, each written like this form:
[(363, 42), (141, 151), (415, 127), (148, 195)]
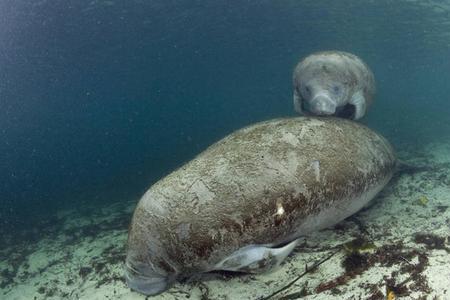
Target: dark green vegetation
[(356, 263), (432, 241)]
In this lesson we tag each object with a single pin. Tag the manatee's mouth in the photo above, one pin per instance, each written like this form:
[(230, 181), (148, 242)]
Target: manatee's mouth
[(347, 111), (144, 280)]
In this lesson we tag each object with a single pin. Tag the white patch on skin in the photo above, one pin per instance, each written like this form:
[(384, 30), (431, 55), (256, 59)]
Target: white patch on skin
[(316, 168), (274, 166), (221, 166), (183, 230), (156, 207), (290, 138), (364, 171), (202, 191), (315, 122), (292, 164), (280, 210), (303, 131)]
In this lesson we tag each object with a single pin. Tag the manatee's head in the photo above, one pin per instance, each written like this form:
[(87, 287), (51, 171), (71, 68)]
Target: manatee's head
[(147, 270), (323, 85)]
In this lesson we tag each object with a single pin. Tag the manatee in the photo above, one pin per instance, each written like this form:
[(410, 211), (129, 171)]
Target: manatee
[(333, 83), (243, 203)]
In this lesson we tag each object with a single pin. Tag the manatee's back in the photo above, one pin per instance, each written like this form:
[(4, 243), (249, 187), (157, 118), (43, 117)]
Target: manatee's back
[(256, 186)]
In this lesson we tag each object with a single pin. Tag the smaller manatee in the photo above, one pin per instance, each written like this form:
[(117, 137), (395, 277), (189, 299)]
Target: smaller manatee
[(333, 83)]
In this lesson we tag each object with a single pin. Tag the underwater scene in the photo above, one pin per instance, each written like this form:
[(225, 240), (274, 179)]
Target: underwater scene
[(171, 149)]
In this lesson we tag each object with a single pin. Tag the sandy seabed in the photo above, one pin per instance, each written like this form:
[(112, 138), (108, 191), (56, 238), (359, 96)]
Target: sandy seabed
[(399, 245)]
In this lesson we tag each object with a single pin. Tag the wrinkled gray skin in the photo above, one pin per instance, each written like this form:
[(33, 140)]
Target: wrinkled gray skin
[(333, 83), (266, 184)]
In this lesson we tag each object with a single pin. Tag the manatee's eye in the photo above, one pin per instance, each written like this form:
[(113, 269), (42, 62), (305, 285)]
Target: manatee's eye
[(307, 89), (336, 89)]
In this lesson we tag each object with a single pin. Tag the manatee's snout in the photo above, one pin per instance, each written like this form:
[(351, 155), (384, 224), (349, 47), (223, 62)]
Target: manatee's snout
[(322, 104), (144, 279)]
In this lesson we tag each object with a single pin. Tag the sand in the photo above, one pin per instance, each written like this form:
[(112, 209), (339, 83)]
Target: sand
[(400, 244)]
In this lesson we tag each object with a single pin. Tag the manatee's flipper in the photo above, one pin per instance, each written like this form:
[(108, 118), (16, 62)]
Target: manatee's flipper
[(359, 102), (255, 259)]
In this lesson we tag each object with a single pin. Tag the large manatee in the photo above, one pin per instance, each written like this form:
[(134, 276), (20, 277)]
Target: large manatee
[(242, 203), (333, 83)]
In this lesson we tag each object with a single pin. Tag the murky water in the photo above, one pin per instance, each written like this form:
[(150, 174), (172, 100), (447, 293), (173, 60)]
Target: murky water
[(99, 99)]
